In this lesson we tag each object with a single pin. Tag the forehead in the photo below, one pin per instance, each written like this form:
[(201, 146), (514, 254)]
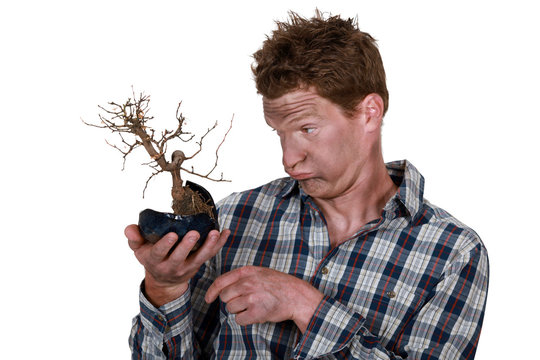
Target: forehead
[(299, 102)]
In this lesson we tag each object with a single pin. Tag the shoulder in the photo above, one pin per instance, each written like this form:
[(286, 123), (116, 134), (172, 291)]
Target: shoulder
[(450, 234), (435, 227)]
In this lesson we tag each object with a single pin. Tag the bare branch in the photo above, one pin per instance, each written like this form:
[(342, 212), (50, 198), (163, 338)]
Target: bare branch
[(132, 117), (200, 142), (219, 146), (207, 175), (131, 147), (148, 180), (93, 125), (193, 172)]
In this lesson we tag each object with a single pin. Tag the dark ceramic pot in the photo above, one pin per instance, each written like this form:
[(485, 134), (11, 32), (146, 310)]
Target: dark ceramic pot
[(153, 225)]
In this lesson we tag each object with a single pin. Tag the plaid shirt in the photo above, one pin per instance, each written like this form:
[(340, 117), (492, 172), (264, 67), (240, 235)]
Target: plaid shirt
[(411, 284)]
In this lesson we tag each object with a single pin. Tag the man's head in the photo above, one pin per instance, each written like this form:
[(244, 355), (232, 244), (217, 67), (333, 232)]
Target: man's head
[(330, 55)]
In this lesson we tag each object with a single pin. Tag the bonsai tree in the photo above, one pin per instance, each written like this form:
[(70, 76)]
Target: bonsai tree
[(131, 121)]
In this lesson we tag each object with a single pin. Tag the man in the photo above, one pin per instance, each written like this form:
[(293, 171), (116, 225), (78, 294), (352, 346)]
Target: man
[(344, 259)]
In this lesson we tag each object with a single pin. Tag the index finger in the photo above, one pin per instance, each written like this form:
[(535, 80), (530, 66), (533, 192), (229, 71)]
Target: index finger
[(135, 239), (222, 282)]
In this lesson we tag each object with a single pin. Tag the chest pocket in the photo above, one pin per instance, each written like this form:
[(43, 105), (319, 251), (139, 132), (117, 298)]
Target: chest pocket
[(387, 306)]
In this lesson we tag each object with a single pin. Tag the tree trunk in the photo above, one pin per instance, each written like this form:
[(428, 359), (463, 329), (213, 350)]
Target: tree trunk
[(185, 200)]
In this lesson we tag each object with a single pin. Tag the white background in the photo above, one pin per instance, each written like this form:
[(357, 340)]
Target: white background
[(463, 79)]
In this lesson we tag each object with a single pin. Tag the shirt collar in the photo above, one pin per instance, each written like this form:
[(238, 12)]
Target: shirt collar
[(288, 187), (410, 194)]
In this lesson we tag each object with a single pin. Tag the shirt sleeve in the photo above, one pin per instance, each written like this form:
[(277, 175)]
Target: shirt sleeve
[(446, 327), (176, 330), (161, 333)]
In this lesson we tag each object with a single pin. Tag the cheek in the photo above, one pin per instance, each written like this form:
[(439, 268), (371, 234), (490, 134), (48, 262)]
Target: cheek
[(329, 159), (339, 155)]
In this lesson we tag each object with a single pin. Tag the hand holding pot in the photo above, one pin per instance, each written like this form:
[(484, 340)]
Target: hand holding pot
[(168, 273)]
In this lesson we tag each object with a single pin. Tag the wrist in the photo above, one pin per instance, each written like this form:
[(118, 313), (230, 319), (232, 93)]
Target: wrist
[(305, 309), (159, 293)]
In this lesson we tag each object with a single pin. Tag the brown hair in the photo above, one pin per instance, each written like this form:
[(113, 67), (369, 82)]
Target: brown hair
[(341, 62)]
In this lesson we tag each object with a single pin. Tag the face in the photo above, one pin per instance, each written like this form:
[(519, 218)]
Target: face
[(322, 147)]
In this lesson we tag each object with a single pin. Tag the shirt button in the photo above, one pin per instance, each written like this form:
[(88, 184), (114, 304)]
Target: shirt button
[(391, 294), (160, 318), (324, 271)]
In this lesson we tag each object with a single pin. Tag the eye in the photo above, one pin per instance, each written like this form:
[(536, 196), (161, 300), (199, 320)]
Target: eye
[(308, 130)]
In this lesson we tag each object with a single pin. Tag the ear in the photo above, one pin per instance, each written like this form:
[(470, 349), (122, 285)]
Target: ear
[(372, 111)]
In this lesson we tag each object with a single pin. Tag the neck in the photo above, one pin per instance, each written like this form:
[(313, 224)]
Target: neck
[(362, 203)]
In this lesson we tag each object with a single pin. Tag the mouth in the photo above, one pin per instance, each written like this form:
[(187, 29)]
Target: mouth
[(300, 176)]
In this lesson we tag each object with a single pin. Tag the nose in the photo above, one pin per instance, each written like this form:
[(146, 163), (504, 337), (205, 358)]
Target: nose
[(293, 154)]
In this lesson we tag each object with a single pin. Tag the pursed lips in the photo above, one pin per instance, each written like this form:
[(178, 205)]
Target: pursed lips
[(299, 176)]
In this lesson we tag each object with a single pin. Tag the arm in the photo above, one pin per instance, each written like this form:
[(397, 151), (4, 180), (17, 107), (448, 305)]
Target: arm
[(447, 326), (164, 329)]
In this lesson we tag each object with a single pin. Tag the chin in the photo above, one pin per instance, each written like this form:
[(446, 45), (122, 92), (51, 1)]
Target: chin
[(313, 188)]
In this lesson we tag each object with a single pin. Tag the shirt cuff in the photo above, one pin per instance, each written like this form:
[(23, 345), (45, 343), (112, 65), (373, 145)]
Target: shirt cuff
[(167, 321), (331, 328)]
